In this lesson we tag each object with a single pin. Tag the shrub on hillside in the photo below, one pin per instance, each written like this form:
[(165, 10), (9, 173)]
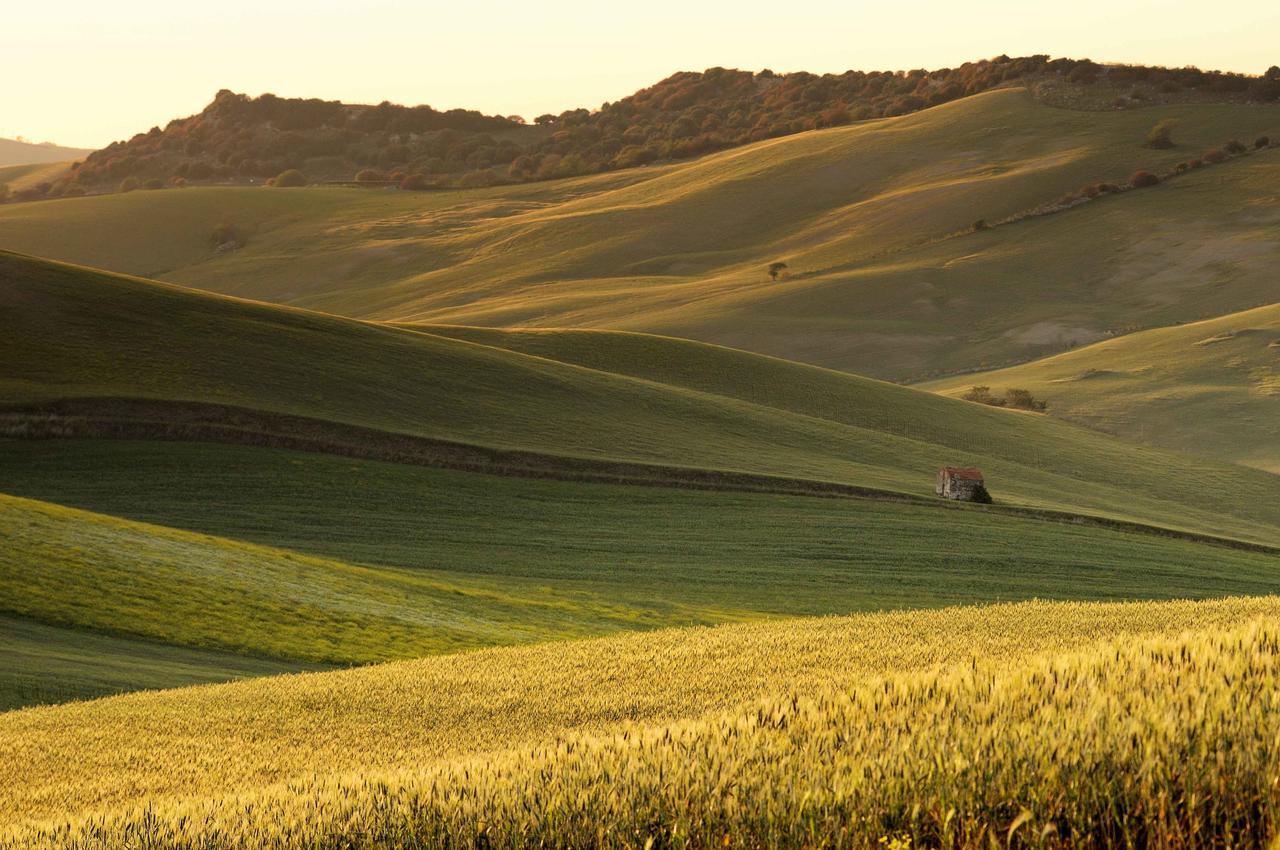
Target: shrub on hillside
[(153, 183), (1160, 136), (981, 224), (1023, 400), (370, 175), (1014, 397), (1215, 155), (1262, 142), (290, 179), (129, 184), (226, 237), (982, 395), (1234, 147), (1196, 163), (1143, 179), (73, 190), (415, 183)]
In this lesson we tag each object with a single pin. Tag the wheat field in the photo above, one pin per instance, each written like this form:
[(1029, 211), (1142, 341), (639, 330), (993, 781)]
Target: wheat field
[(1079, 724)]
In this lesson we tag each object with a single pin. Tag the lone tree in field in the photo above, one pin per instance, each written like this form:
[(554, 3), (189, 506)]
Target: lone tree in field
[(1160, 136), (775, 269)]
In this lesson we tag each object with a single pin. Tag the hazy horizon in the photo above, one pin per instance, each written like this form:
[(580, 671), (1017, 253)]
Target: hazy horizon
[(141, 63)]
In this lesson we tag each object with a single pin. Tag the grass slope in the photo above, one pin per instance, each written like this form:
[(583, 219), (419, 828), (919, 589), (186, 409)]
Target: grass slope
[(488, 722), (474, 559), (72, 333), (40, 663), (99, 572), (866, 216), (1209, 387)]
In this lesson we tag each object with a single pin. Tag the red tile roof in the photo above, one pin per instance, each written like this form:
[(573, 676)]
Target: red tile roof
[(964, 473)]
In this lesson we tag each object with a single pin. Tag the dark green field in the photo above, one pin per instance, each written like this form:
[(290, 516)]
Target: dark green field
[(371, 561)]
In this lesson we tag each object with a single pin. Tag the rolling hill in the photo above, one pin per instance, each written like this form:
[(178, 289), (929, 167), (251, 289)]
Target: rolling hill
[(201, 464), (120, 350), (14, 152), (874, 221), (1004, 703), (1209, 388)]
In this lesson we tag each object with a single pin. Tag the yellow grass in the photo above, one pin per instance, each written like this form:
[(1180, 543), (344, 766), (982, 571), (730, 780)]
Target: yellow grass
[(528, 740)]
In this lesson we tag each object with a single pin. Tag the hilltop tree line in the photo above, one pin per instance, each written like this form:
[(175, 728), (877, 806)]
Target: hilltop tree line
[(239, 138)]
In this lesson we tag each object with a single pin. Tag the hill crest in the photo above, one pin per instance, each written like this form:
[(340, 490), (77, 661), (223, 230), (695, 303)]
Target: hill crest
[(242, 139)]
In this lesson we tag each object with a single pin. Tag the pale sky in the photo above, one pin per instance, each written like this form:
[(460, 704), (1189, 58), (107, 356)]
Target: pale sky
[(87, 72)]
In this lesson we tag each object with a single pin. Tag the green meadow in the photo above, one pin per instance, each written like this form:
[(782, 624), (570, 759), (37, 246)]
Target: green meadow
[(81, 335), (1210, 388)]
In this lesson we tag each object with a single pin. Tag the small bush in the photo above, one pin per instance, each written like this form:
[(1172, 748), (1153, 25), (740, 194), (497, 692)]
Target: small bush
[(1261, 142), (226, 237), (370, 175), (153, 183), (1016, 398), (1023, 400), (982, 395), (178, 182), (1160, 136), (1107, 188), (1235, 148), (1143, 179), (1196, 163), (981, 224), (129, 184), (290, 179), (1215, 155), (415, 183)]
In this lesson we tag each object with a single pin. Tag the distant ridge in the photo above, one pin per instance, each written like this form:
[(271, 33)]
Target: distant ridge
[(242, 139), (14, 152)]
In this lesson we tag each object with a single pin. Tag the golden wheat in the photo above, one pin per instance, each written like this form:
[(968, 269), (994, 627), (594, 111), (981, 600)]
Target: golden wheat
[(936, 727)]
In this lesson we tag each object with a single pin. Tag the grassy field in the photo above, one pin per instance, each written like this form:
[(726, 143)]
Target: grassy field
[(19, 177), (40, 663), (870, 218), (1210, 388), (311, 558), (1109, 722), (73, 334), (591, 558)]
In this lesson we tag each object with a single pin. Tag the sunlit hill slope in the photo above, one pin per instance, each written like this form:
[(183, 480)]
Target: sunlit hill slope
[(873, 221)]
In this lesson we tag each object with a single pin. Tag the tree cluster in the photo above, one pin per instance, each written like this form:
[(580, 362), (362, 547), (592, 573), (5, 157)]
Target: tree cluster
[(242, 139)]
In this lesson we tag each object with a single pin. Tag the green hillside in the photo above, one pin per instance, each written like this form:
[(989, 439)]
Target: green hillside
[(222, 755), (75, 334), (872, 220), (1210, 388), (42, 663)]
